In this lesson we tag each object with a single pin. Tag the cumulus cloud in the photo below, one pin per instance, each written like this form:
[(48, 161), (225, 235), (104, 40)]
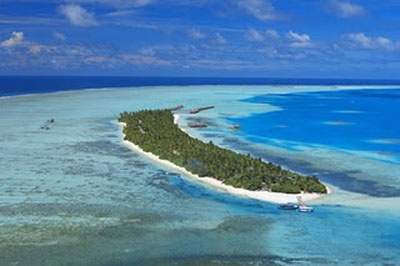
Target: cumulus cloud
[(131, 3), (119, 3), (360, 40), (77, 15), (298, 40), (139, 3), (17, 37), (260, 9), (96, 59), (272, 34), (296, 37), (147, 51), (258, 36), (219, 39), (35, 49), (138, 59), (59, 36), (254, 35), (346, 9), (196, 34)]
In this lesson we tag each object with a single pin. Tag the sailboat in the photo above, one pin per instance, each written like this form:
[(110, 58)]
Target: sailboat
[(302, 206)]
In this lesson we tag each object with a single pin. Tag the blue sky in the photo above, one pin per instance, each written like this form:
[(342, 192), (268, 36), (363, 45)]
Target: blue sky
[(247, 38)]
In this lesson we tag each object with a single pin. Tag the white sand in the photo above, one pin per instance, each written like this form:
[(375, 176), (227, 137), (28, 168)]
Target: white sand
[(218, 185)]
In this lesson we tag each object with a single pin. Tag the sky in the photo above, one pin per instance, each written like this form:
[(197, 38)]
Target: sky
[(225, 38)]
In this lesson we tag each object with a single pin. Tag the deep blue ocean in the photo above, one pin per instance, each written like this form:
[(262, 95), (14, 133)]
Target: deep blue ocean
[(356, 120)]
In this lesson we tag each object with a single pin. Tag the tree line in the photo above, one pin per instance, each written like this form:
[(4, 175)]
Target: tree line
[(154, 131)]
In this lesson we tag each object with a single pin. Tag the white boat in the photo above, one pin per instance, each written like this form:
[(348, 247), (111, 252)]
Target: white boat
[(303, 207)]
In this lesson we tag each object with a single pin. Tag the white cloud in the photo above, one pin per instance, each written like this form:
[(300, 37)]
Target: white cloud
[(27, 20), (258, 36), (275, 53), (219, 39), (137, 59), (360, 40), (147, 51), (208, 39), (296, 37), (346, 9), (35, 49), (196, 34), (121, 13), (119, 3), (301, 44), (96, 59), (144, 2), (299, 40), (272, 34), (17, 37), (218, 64), (134, 3), (254, 35), (58, 36), (273, 39), (77, 15), (260, 9)]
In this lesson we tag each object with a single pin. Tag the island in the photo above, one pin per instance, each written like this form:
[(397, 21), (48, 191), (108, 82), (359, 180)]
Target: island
[(155, 132)]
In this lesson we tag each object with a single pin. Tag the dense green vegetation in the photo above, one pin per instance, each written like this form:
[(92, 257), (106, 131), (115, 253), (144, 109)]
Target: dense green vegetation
[(154, 131)]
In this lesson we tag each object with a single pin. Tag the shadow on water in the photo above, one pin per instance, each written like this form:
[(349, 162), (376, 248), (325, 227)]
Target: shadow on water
[(235, 241), (101, 147), (226, 260), (227, 244)]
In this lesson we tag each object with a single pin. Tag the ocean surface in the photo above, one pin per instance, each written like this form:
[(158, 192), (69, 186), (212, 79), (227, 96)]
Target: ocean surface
[(72, 194), (20, 85)]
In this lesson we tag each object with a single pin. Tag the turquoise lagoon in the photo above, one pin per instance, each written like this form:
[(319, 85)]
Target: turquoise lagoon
[(75, 195)]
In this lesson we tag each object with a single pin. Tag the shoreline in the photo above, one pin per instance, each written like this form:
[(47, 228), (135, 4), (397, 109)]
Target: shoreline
[(272, 197)]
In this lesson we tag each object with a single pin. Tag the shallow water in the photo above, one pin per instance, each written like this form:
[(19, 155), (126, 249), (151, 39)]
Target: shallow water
[(74, 195)]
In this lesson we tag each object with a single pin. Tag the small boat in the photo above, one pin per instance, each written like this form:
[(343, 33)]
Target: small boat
[(288, 206), (235, 127), (305, 209)]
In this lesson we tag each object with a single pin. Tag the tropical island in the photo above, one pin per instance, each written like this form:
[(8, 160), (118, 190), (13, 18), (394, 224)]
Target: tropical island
[(155, 132)]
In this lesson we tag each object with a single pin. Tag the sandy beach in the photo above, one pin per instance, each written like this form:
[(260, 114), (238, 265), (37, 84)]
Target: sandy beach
[(218, 185)]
